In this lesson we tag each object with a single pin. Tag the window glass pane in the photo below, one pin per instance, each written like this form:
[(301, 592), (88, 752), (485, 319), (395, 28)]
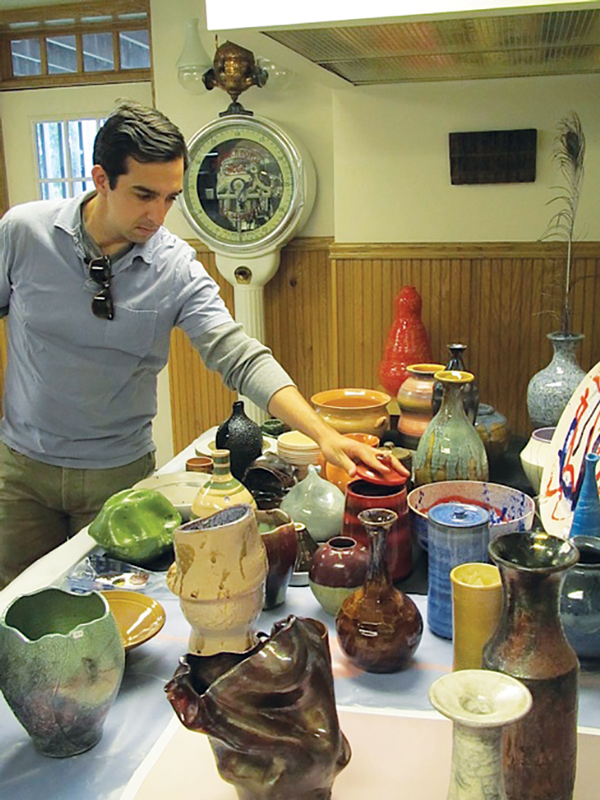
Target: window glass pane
[(81, 134), (98, 53), (62, 54), (77, 187), (25, 54), (135, 49), (54, 191), (50, 146)]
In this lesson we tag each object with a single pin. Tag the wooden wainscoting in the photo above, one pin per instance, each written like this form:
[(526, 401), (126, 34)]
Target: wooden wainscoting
[(329, 307)]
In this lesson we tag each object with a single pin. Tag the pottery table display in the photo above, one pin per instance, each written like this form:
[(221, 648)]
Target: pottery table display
[(219, 575), (354, 410), (577, 433), (61, 665), (510, 510)]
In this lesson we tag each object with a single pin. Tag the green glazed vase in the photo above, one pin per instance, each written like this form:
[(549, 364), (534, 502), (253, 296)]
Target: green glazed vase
[(61, 664), (450, 448)]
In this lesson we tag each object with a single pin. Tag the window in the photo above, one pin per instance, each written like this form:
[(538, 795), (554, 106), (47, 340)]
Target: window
[(42, 47), (64, 156)]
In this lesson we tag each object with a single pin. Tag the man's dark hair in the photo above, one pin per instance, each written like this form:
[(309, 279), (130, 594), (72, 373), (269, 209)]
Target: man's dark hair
[(143, 133)]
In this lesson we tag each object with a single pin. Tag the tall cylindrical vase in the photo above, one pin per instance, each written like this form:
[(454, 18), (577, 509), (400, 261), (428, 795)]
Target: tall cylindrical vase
[(451, 449), (551, 388), (530, 644), (480, 703), (586, 519)]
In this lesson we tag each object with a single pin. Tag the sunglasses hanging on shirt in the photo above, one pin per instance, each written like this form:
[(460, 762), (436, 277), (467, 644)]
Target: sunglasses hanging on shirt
[(102, 302)]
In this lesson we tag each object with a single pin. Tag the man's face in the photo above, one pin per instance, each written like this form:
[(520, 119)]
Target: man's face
[(137, 206)]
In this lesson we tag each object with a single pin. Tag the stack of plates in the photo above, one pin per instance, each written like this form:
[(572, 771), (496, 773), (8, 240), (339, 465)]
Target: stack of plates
[(298, 450)]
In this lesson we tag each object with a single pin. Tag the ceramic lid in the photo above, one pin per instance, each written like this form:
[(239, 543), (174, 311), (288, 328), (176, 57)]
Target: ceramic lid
[(392, 479), (459, 515)]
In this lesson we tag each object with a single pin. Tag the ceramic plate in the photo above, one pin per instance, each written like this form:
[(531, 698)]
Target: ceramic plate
[(138, 616), (577, 433), (180, 488), (205, 444)]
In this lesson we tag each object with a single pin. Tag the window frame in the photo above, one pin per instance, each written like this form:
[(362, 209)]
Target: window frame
[(43, 29)]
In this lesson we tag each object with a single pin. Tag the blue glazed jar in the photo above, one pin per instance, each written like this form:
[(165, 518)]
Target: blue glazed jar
[(457, 533), (586, 518), (580, 599)]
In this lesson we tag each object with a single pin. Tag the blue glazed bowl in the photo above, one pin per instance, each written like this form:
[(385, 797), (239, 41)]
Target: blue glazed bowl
[(580, 599), (510, 510)]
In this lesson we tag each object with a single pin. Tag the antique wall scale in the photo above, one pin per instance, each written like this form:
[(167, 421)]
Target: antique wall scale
[(248, 190)]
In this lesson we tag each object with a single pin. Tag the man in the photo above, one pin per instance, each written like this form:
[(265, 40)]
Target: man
[(93, 287)]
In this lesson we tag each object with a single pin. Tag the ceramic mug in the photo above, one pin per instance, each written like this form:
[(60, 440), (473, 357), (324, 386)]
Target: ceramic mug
[(476, 606)]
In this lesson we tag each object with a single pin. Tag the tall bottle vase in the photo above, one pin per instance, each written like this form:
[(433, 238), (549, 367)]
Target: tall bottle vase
[(550, 389), (586, 518)]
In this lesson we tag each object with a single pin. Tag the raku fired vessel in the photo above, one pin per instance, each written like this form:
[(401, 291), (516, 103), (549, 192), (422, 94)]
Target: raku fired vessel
[(480, 703), (219, 575), (269, 713), (529, 643), (281, 543), (61, 664)]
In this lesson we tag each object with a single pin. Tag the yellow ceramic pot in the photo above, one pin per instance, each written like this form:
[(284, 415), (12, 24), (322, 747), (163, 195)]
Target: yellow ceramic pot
[(354, 410), (476, 606)]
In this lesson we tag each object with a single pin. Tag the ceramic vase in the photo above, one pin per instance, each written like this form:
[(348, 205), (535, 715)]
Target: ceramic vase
[(586, 517), (269, 713), (529, 643), (476, 606), (470, 391), (450, 448), (61, 663), (281, 543), (317, 504), (407, 341), (457, 533), (219, 575), (415, 398), (378, 626), (268, 479), (580, 600), (337, 568), (354, 410), (480, 704), (535, 454), (242, 437), (550, 389), (306, 547), (221, 490), (492, 427), (338, 476), (362, 495)]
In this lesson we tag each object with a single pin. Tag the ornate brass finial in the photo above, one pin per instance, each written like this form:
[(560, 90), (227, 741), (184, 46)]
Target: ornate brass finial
[(234, 70)]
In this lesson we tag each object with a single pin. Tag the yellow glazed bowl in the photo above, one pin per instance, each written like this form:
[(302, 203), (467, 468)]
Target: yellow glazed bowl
[(354, 410)]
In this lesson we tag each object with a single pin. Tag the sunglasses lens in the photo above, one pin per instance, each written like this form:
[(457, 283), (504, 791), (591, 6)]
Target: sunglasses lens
[(102, 305), (100, 271)]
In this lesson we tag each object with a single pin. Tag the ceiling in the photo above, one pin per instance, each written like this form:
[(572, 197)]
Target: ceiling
[(561, 42)]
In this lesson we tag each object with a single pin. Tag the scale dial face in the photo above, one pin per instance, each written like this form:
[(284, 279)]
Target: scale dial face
[(243, 189)]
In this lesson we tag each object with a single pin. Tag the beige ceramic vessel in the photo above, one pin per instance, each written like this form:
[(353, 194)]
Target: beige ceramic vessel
[(354, 410), (219, 574)]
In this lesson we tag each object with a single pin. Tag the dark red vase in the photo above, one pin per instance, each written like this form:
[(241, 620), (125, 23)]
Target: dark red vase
[(363, 494), (337, 568), (407, 341), (378, 626)]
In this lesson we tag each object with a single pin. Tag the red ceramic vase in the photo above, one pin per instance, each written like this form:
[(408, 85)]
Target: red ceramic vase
[(362, 495), (337, 569), (407, 341)]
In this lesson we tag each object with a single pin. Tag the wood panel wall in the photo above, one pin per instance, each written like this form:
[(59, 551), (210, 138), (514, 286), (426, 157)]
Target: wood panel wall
[(329, 308)]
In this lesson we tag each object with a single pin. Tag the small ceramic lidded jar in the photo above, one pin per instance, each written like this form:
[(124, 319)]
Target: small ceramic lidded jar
[(457, 533), (337, 569), (378, 626), (372, 490), (451, 449)]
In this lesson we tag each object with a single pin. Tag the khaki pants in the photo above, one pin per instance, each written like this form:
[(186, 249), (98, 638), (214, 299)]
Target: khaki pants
[(41, 505)]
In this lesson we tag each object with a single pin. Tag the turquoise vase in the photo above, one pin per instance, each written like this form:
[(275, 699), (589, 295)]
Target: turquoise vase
[(451, 449), (61, 663), (586, 519)]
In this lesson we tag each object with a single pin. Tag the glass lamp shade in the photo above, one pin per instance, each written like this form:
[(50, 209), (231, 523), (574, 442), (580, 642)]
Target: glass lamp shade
[(279, 77), (194, 61)]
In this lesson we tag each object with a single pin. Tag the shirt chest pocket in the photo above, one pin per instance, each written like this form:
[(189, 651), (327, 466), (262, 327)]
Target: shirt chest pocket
[(131, 331)]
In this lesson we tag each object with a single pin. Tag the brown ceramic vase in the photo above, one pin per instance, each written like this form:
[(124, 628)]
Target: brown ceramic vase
[(378, 626), (337, 569), (281, 543), (530, 644)]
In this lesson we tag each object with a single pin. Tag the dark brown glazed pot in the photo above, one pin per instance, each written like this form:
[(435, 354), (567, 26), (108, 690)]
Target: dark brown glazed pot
[(530, 644), (337, 569), (379, 627), (269, 713), (281, 543)]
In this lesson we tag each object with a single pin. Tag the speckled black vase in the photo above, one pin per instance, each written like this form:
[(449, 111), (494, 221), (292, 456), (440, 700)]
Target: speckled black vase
[(242, 437)]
